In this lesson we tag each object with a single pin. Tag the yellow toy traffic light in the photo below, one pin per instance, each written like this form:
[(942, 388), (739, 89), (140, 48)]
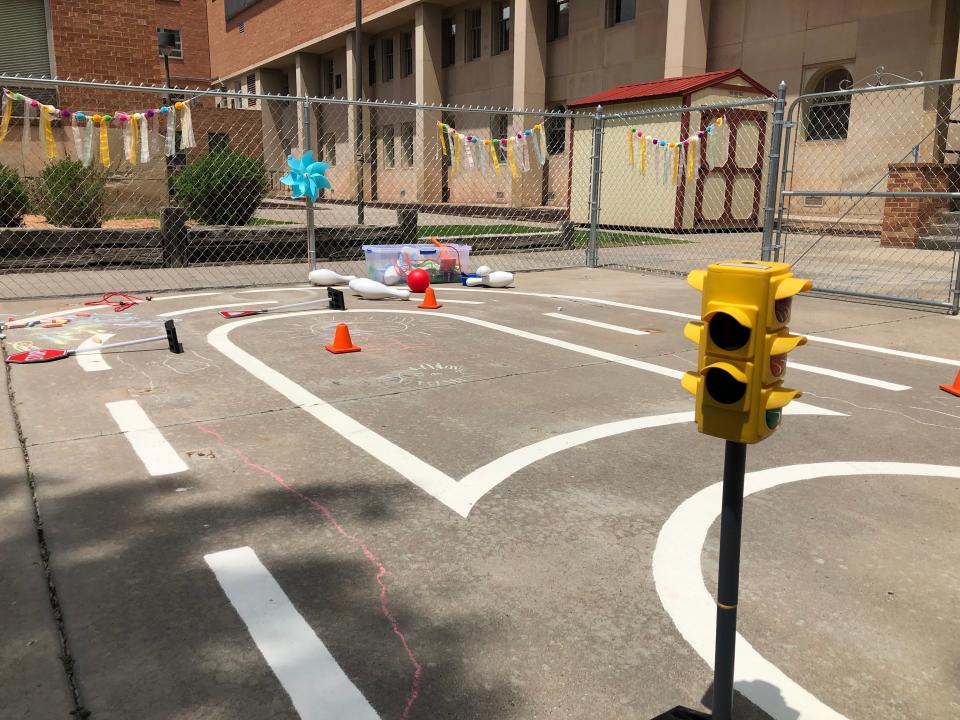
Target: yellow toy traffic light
[(743, 340)]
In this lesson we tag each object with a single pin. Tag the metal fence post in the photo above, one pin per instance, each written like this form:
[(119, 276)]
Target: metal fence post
[(772, 171), (311, 235), (955, 300), (595, 175)]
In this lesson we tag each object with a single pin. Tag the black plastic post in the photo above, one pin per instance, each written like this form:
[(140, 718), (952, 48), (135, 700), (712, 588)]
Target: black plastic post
[(336, 299), (728, 580), (173, 342)]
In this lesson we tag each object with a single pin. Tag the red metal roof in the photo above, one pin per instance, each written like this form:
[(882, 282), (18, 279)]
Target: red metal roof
[(667, 87)]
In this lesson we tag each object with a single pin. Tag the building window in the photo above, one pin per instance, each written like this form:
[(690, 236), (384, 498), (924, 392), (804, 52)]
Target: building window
[(328, 148), (619, 11), (558, 19), (172, 37), (406, 54), (555, 134), (389, 146), (218, 141), (829, 116), (449, 48), (372, 62), (23, 43), (387, 55), (251, 89), (406, 143), (499, 127), (328, 77), (501, 27), (338, 81), (472, 49)]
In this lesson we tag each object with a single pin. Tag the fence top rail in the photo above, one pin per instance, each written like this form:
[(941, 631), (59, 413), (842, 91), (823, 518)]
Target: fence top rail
[(670, 110), (871, 193), (34, 81), (833, 94)]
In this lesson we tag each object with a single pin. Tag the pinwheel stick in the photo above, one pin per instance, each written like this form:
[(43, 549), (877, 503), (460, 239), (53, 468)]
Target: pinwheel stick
[(306, 178)]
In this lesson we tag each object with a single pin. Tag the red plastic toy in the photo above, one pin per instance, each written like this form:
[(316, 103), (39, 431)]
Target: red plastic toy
[(418, 280)]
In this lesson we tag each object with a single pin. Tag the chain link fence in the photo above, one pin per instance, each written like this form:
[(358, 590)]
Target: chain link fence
[(868, 201), (159, 196)]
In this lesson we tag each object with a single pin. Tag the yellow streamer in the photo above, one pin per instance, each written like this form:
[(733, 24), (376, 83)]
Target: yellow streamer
[(630, 145), (7, 114), (47, 130), (643, 155), (493, 157), (443, 144), (134, 139), (104, 143), (676, 164), (510, 158), (691, 158)]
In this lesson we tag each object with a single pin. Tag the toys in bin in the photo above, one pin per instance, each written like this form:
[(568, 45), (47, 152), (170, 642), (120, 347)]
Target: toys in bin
[(441, 263)]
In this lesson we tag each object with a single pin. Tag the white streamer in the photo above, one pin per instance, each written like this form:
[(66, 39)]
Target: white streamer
[(25, 132), (144, 137), (128, 141), (187, 140), (155, 145), (88, 137), (171, 139), (77, 140), (521, 153)]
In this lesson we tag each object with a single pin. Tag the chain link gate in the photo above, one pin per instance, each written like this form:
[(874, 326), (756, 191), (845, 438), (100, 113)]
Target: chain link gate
[(869, 192)]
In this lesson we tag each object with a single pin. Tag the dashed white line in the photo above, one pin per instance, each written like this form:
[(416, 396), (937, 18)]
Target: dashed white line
[(216, 307), (156, 454), (88, 357), (849, 377), (597, 323), (316, 684)]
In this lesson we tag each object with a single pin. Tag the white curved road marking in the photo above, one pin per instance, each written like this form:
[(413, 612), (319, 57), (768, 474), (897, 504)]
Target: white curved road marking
[(90, 359), (316, 684), (461, 496), (679, 580), (688, 316), (597, 323), (215, 307), (157, 455)]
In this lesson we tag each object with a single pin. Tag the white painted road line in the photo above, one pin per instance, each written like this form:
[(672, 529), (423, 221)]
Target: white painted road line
[(216, 307), (679, 581), (319, 689), (596, 323), (461, 302), (90, 359), (849, 377), (157, 455), (462, 496), (184, 297), (673, 313), (285, 289)]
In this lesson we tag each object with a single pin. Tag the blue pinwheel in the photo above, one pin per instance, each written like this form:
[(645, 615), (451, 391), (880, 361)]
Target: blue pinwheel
[(306, 177)]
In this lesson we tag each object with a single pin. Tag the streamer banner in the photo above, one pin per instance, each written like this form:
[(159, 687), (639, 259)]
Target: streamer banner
[(471, 152), (673, 159)]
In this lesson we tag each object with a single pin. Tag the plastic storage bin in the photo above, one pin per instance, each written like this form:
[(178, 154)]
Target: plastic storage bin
[(444, 265)]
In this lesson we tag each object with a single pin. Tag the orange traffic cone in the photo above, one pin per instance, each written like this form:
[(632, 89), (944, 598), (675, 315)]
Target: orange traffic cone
[(342, 342), (953, 389), (430, 300)]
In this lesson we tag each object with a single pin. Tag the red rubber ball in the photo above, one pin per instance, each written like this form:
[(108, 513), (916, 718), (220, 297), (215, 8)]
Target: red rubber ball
[(418, 280)]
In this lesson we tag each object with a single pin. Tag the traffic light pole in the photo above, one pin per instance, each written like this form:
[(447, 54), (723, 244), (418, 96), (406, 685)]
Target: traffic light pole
[(728, 580)]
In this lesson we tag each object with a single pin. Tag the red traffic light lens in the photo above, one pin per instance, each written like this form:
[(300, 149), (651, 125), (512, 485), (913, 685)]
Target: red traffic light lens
[(726, 333), (724, 387)]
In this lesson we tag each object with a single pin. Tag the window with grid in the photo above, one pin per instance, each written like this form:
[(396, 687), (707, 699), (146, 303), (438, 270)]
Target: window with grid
[(501, 27), (449, 45), (558, 19), (406, 54), (406, 143), (619, 11), (555, 134), (386, 53), (472, 46), (499, 127), (828, 117), (389, 146), (252, 89), (328, 77), (372, 63), (174, 35)]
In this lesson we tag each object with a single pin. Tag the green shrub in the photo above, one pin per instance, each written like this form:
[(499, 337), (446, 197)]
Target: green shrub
[(13, 198), (221, 188), (70, 195)]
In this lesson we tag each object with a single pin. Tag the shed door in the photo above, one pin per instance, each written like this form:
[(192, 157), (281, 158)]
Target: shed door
[(728, 195)]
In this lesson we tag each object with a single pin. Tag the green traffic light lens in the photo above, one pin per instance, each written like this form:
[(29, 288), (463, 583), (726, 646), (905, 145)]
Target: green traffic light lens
[(726, 333), (724, 387), (773, 418)]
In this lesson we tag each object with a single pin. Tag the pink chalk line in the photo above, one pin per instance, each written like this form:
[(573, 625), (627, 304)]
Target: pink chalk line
[(381, 570)]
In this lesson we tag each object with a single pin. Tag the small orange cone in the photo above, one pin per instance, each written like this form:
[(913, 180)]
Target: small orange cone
[(430, 300), (342, 342), (953, 389)]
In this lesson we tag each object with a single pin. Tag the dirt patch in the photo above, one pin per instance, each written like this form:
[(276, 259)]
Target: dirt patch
[(39, 222)]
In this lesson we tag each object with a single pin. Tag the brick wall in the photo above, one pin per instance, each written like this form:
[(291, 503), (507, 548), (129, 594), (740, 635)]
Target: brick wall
[(906, 220), (243, 127), (271, 28), (190, 18)]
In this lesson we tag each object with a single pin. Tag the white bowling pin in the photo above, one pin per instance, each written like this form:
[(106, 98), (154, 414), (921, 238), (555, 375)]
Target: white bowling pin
[(324, 277), (484, 270), (496, 279), (372, 290)]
